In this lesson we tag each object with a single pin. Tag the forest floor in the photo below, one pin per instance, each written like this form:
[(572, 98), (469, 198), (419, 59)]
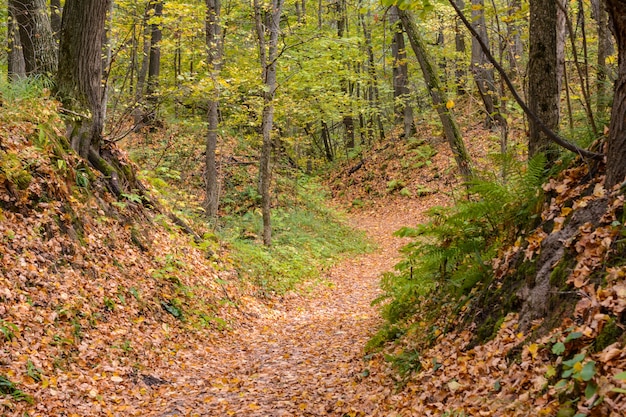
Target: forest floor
[(302, 355)]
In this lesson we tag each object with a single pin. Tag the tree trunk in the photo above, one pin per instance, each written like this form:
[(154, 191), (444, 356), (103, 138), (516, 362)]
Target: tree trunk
[(450, 128), (142, 74), (481, 68), (347, 119), (79, 78), (459, 45), (38, 45), (373, 81), (604, 51), (328, 149), (561, 36), (401, 94), (268, 64), (215, 50), (515, 48), (16, 67), (154, 66), (616, 152), (56, 11), (543, 92)]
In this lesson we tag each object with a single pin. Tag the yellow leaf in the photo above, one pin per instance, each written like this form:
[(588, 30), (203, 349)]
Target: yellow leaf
[(578, 367), (533, 348), (253, 406), (449, 104)]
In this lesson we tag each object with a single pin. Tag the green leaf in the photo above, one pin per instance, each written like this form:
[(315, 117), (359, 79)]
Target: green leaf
[(578, 358), (558, 348), (619, 390), (567, 373), (561, 384), (588, 371), (573, 336), (590, 390), (621, 376)]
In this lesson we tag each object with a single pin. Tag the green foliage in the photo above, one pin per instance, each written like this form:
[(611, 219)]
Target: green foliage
[(306, 239), (453, 250), (8, 330), (406, 362), (8, 387)]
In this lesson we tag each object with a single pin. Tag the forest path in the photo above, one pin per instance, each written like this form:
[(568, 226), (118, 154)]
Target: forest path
[(302, 356)]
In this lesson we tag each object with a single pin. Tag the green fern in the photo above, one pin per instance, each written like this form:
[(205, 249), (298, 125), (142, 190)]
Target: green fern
[(453, 251)]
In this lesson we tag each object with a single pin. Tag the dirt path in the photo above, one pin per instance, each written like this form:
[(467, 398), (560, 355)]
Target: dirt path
[(304, 355)]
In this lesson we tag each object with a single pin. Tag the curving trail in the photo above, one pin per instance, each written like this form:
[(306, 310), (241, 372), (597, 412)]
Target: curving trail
[(302, 356)]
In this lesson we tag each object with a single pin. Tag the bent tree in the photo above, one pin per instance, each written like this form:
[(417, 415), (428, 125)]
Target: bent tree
[(437, 94)]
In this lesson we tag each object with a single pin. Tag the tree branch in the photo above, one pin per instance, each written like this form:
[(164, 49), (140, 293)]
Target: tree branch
[(553, 136)]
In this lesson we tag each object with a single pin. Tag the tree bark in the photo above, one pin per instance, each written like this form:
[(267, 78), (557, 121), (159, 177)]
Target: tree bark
[(374, 99), (616, 150), (605, 49), (543, 92), (515, 48), (142, 73), (56, 11), (154, 66), (215, 48), (401, 94), (38, 45), (481, 68), (450, 128), (79, 77), (459, 45), (268, 64), (347, 119), (16, 67)]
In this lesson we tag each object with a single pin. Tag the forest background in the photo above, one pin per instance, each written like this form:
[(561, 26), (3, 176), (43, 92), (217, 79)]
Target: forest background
[(230, 111)]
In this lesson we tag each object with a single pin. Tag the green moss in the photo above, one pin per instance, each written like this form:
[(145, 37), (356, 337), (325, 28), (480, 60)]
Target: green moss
[(560, 273), (14, 171), (610, 334)]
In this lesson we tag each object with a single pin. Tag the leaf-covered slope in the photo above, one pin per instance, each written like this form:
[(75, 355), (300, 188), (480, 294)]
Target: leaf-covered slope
[(95, 294)]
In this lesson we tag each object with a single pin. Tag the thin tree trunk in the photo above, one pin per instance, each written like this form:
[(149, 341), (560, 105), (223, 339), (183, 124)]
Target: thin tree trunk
[(616, 152), (268, 65), (38, 44), (16, 67), (373, 80), (481, 68), (348, 121), (401, 94), (142, 73), (543, 92), (584, 83), (154, 66), (515, 48), (215, 48), (55, 18), (604, 51), (328, 150), (459, 44), (450, 128)]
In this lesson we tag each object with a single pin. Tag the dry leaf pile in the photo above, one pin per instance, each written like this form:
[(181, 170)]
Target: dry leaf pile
[(108, 310)]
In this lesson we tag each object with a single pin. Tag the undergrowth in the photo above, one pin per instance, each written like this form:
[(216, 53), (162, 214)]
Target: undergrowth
[(307, 238), (450, 255)]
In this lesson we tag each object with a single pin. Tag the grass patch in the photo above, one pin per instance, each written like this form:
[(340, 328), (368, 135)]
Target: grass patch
[(307, 238)]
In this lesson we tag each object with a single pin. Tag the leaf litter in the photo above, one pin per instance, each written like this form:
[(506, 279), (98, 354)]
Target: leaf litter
[(94, 324)]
